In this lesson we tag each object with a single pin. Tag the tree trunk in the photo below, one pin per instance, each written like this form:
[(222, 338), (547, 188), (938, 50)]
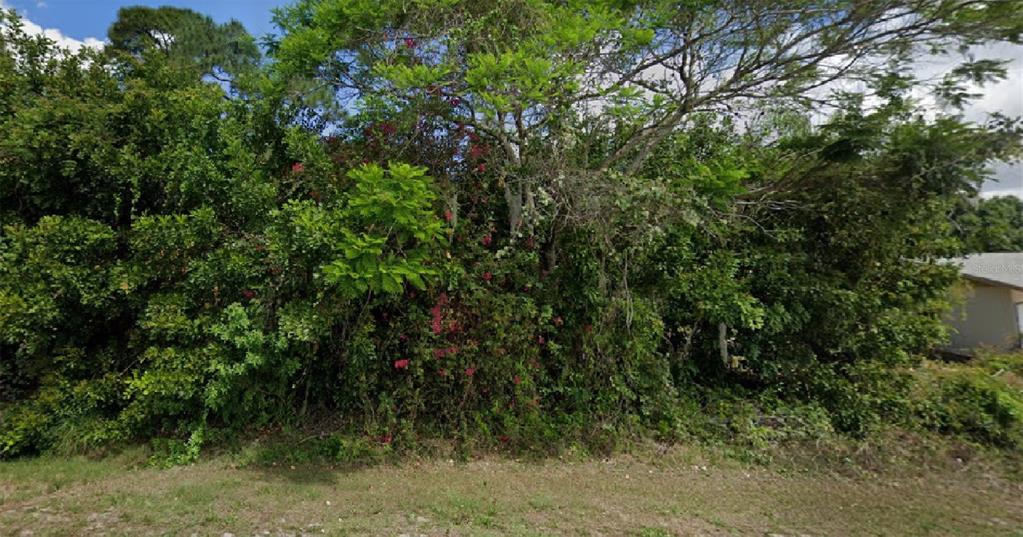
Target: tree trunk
[(723, 343)]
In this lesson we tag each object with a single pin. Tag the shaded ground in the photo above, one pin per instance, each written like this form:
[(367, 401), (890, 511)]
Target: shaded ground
[(627, 495)]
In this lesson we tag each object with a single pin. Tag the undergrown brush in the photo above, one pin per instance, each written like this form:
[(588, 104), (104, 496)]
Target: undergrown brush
[(979, 401)]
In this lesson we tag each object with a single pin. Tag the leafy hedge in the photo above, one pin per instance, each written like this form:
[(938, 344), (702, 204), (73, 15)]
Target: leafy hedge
[(183, 258)]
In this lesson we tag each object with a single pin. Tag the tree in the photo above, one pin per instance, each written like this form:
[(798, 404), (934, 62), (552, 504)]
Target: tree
[(544, 81), (990, 225), (185, 37)]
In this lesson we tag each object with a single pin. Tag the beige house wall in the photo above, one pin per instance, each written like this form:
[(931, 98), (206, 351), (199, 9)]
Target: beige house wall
[(986, 318)]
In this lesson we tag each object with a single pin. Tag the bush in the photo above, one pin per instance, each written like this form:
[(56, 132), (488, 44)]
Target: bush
[(182, 260), (981, 400)]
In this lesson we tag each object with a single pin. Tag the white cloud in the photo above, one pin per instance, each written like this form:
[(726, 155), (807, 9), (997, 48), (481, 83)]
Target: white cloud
[(63, 41), (1005, 97)]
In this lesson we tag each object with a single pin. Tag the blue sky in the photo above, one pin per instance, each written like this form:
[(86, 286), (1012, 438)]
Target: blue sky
[(82, 19)]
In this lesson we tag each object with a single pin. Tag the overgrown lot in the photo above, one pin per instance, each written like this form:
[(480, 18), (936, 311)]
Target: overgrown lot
[(515, 225)]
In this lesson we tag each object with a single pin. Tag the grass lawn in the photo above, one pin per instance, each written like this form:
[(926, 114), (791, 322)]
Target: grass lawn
[(646, 494)]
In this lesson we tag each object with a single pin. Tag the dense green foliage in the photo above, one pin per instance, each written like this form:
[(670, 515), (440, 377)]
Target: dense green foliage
[(479, 221), (982, 401), (991, 225), (186, 38)]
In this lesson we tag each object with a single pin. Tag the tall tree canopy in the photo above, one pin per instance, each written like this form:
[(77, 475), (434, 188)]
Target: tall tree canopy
[(567, 92), (991, 225), (184, 36)]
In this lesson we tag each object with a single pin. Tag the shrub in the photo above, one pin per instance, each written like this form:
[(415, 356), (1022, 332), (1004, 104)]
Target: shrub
[(981, 401)]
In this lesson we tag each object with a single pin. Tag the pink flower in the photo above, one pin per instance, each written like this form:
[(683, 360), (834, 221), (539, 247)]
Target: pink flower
[(439, 353), (487, 276), (401, 364), (448, 216), (436, 324), (481, 168), (487, 240), (385, 439), (470, 371), (249, 293), (297, 167), (442, 372), (410, 42), (517, 380), (540, 340)]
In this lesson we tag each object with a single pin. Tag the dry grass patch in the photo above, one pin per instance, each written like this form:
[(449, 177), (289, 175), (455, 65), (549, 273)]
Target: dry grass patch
[(678, 493)]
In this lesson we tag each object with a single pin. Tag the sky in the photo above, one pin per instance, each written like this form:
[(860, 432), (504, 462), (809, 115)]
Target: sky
[(80, 20), (77, 23)]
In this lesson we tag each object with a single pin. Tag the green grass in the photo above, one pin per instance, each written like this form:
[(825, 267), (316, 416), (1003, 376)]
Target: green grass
[(682, 492)]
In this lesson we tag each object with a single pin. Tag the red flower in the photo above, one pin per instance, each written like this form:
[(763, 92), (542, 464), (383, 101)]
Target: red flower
[(388, 128), (504, 439), (410, 42), (403, 337), (249, 293), (452, 349), (401, 364), (439, 353), (385, 439), (487, 240), (455, 101), (487, 276), (437, 323), (540, 340), (298, 167), (476, 151), (481, 168), (470, 371), (442, 372), (517, 380), (448, 216)]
